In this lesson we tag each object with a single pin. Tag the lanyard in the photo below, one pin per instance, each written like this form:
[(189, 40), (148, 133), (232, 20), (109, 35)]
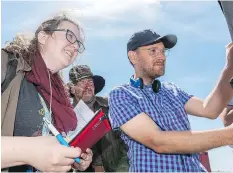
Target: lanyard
[(47, 114)]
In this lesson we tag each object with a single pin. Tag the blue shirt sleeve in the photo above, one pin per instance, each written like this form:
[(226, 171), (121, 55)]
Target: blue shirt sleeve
[(180, 95), (123, 106)]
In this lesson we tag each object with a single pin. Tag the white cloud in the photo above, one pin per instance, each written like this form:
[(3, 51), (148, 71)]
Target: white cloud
[(203, 23), (110, 19), (113, 18), (101, 17), (113, 9)]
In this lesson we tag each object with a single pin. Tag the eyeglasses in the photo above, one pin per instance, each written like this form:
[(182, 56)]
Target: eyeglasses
[(156, 51), (70, 36)]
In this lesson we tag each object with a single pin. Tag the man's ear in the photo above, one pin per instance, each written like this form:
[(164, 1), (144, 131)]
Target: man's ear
[(132, 57), (42, 37)]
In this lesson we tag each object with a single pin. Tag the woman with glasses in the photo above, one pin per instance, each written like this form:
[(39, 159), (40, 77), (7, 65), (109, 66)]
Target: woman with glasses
[(32, 89)]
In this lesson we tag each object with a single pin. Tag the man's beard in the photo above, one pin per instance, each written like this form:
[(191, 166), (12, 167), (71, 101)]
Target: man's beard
[(88, 99), (152, 74)]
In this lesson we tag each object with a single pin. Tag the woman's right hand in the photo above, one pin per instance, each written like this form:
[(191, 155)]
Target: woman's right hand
[(48, 155)]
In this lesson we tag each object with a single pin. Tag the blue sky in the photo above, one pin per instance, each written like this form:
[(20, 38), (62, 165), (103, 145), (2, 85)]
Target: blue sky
[(194, 64)]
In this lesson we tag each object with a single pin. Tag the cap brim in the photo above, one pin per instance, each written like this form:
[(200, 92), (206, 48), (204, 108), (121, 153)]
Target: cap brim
[(99, 83), (169, 41)]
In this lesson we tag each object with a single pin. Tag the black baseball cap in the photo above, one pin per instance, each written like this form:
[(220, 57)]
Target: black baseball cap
[(148, 37)]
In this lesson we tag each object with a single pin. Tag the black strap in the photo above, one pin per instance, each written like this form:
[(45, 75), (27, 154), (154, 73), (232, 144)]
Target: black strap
[(219, 2)]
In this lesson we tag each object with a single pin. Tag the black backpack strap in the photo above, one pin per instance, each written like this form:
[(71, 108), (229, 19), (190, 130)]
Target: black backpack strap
[(10, 72)]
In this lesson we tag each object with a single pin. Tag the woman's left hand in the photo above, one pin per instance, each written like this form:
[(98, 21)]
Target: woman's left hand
[(85, 160)]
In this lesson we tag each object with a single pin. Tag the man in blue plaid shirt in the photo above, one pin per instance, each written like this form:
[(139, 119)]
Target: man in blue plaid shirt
[(153, 115)]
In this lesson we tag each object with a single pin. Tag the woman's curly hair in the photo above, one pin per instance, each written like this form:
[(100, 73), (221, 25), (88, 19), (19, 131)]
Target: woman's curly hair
[(26, 46)]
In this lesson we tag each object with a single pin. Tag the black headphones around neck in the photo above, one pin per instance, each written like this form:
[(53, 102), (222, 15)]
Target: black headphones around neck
[(138, 83)]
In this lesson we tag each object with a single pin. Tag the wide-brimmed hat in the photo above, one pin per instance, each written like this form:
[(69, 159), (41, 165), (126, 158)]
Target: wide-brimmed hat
[(148, 37), (80, 72)]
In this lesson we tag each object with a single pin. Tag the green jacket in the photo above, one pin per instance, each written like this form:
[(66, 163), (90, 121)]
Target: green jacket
[(111, 151)]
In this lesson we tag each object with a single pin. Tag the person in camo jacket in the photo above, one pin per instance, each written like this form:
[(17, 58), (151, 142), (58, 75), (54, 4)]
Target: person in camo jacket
[(110, 153)]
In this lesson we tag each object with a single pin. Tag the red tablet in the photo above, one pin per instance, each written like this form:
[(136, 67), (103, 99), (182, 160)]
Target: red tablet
[(92, 132)]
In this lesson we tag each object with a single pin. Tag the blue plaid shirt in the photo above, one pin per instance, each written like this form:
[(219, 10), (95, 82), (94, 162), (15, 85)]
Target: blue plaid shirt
[(166, 108)]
